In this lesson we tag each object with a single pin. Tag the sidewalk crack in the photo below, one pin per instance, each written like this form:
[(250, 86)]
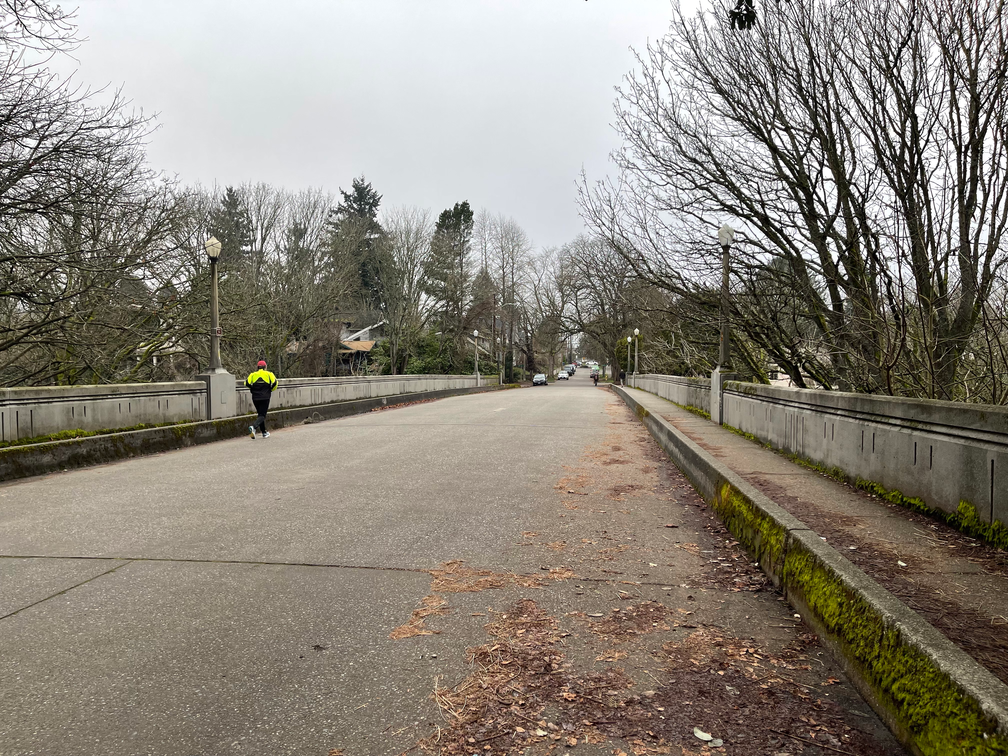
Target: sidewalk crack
[(65, 590)]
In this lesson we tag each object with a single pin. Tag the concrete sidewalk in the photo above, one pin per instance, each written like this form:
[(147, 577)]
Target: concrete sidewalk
[(957, 583)]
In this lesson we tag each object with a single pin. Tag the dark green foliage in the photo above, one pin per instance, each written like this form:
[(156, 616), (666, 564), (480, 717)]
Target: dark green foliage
[(362, 201), (429, 357), (229, 221), (354, 233), (448, 274)]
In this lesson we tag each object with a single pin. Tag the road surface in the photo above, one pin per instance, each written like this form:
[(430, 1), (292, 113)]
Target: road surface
[(492, 573)]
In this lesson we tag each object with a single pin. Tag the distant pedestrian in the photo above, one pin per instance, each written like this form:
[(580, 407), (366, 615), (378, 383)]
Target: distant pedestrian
[(262, 383), (622, 377)]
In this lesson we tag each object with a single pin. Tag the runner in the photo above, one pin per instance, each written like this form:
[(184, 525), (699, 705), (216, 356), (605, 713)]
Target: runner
[(262, 383)]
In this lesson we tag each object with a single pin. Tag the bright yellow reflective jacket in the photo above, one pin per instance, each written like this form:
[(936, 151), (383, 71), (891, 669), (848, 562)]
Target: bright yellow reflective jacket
[(261, 384)]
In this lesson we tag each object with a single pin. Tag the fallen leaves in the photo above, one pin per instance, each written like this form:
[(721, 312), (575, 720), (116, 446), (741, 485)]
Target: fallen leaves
[(431, 605), (455, 577), (611, 655), (631, 621)]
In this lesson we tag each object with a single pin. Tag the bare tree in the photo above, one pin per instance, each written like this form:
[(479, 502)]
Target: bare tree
[(404, 256), (597, 286), (860, 147)]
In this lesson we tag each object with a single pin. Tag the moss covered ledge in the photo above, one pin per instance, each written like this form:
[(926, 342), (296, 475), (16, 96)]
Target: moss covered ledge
[(934, 697), (761, 535), (923, 703)]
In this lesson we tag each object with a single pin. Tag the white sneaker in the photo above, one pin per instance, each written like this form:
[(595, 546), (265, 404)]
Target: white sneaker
[(266, 435), (252, 432)]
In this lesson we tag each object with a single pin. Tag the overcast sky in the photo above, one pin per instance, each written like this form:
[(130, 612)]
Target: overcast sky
[(500, 102)]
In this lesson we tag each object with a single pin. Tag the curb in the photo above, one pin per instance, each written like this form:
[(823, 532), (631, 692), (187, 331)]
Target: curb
[(54, 456), (933, 696)]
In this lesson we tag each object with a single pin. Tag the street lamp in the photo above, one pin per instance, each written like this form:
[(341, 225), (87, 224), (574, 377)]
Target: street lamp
[(499, 356), (476, 345), (726, 235), (628, 340), (213, 250), (636, 350), (510, 337)]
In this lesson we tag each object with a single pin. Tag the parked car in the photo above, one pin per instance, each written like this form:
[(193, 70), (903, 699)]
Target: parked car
[(539, 379), (563, 375), (570, 369)]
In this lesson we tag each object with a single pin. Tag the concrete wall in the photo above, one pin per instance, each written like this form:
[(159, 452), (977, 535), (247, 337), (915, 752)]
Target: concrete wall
[(939, 452), (688, 392), (40, 459), (30, 412), (934, 697), (301, 392)]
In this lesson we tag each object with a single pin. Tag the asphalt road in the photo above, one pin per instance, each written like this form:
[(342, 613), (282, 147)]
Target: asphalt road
[(237, 598)]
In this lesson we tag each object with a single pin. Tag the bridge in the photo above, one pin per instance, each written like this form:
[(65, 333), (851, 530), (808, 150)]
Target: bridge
[(513, 571)]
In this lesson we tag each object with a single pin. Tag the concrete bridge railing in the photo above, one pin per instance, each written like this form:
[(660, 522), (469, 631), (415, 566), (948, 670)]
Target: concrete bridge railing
[(32, 412), (687, 392), (947, 456), (304, 392)]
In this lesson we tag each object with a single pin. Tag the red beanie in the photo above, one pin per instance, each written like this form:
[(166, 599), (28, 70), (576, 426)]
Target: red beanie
[(262, 363)]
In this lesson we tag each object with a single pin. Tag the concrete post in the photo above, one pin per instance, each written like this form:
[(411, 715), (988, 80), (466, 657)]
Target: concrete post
[(221, 398), (718, 378), (220, 401)]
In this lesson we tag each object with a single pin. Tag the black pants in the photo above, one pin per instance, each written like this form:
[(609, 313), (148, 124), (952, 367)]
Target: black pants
[(262, 407)]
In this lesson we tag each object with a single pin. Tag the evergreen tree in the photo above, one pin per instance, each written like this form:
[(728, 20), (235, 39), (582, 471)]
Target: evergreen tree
[(362, 201), (354, 230), (448, 271), (230, 223)]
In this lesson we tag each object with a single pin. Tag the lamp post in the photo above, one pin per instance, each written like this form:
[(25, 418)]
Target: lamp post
[(220, 397), (510, 337), (213, 250), (628, 340), (636, 351), (726, 235), (476, 346)]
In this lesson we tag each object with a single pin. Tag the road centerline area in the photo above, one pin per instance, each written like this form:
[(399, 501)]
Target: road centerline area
[(561, 564)]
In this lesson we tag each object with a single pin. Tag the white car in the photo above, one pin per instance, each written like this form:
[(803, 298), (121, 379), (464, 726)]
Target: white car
[(563, 376), (539, 379)]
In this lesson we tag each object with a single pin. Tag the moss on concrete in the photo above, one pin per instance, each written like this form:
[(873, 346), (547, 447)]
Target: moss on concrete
[(746, 436), (830, 472), (894, 496), (965, 519), (690, 408), (968, 521), (761, 535), (924, 701), (69, 435)]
